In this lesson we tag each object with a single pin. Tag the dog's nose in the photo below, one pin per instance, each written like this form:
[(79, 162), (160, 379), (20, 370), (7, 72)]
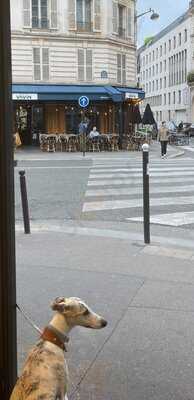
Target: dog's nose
[(104, 323)]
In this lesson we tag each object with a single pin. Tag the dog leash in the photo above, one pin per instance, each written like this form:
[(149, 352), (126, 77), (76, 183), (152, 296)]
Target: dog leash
[(27, 318)]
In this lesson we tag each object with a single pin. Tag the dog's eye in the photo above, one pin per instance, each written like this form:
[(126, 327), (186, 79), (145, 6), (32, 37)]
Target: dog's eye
[(86, 312)]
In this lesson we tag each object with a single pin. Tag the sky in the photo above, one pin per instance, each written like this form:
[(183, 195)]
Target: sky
[(169, 10)]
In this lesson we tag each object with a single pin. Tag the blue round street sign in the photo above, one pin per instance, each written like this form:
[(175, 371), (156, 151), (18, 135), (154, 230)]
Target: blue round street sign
[(83, 101)]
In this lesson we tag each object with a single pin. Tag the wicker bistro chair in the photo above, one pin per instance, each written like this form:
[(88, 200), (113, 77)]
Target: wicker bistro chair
[(114, 143), (73, 143), (63, 142), (52, 141), (44, 146)]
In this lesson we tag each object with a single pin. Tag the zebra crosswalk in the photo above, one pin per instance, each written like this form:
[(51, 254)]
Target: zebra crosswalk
[(114, 191)]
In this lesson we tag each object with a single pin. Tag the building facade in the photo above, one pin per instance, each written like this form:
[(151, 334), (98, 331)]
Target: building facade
[(62, 49), (163, 67)]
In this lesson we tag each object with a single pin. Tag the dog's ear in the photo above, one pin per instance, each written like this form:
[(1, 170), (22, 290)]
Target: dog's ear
[(58, 304)]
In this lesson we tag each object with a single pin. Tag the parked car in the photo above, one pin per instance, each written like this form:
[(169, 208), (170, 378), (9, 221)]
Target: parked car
[(191, 130)]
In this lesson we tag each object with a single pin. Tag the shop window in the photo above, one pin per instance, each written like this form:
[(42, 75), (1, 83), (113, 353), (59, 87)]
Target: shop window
[(41, 63), (85, 65)]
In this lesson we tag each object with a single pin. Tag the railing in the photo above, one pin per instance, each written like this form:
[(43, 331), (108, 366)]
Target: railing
[(42, 23), (84, 26)]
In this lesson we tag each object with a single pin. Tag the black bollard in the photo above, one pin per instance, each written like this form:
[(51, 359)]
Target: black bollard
[(24, 199), (146, 195)]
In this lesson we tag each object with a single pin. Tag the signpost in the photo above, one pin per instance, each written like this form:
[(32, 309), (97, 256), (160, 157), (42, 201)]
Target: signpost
[(83, 102), (146, 196)]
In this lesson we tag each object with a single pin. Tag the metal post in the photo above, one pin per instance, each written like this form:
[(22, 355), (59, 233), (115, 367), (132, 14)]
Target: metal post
[(24, 199), (8, 342), (146, 196), (121, 124)]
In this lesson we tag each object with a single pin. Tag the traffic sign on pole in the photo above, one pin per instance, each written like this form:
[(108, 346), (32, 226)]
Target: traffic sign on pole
[(83, 101)]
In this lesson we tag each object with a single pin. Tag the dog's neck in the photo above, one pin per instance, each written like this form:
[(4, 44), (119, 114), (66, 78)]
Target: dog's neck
[(59, 322)]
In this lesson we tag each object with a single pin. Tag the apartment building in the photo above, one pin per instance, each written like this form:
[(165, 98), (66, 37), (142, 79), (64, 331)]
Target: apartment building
[(62, 49), (163, 67)]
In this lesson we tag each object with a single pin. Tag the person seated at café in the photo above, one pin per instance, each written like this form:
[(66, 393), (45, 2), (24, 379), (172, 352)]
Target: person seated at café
[(94, 133)]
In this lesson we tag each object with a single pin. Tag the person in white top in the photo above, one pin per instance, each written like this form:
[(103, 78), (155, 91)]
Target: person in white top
[(94, 133)]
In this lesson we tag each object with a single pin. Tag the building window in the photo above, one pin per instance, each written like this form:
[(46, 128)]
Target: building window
[(179, 96), (180, 39), (153, 86), (146, 87), (165, 65), (146, 59), (160, 66), (157, 53), (169, 45), (83, 15), (85, 65), (153, 55), (40, 14), (165, 48), (169, 115), (150, 72), (150, 87), (121, 26), (160, 83), (164, 98), (156, 69), (156, 84), (185, 35), (160, 115), (150, 57), (174, 97), (160, 51), (169, 98), (41, 63), (174, 42), (165, 82), (121, 68)]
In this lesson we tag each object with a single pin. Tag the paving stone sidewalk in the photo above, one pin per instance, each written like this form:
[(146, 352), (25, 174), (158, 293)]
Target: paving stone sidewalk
[(145, 292)]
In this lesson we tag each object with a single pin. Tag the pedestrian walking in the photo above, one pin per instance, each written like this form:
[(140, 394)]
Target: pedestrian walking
[(163, 138)]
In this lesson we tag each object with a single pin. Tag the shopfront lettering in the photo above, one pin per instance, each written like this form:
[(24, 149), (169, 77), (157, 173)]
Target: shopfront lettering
[(25, 96), (131, 95)]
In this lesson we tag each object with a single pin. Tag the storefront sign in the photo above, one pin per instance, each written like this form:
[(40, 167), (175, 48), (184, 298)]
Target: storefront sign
[(131, 95), (83, 101), (25, 96)]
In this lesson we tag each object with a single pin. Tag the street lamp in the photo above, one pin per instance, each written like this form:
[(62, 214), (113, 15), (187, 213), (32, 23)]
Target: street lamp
[(153, 16)]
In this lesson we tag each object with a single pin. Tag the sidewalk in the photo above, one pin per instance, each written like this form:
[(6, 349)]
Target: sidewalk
[(145, 293), (34, 154)]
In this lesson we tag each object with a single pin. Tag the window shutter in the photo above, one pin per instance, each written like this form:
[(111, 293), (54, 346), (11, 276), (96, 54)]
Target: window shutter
[(88, 65), (97, 15), (53, 23), (45, 64), (27, 13), (72, 20), (123, 69), (115, 17), (129, 21), (80, 64), (119, 68), (36, 62)]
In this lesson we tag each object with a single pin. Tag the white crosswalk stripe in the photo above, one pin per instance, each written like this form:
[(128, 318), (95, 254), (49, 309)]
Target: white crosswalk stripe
[(115, 186)]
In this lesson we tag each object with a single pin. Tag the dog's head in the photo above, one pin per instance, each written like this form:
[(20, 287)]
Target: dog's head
[(76, 312)]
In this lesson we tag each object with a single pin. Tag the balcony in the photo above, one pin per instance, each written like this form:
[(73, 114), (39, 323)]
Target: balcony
[(122, 32), (83, 27)]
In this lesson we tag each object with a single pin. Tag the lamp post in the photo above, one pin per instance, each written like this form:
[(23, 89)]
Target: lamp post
[(153, 16)]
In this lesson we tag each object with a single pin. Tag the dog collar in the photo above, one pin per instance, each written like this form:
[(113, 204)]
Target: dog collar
[(51, 334)]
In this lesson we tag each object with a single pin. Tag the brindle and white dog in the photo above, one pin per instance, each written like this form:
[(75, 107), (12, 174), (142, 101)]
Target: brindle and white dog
[(45, 374)]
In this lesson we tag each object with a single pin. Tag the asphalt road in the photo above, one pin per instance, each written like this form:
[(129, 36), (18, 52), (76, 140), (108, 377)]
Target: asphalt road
[(109, 189)]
